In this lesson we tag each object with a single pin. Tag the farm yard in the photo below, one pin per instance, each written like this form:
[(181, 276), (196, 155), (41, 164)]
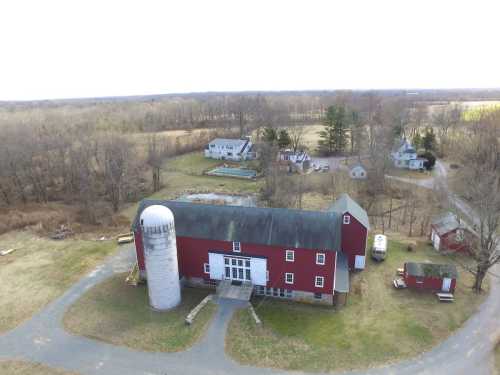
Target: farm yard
[(120, 314), (378, 325)]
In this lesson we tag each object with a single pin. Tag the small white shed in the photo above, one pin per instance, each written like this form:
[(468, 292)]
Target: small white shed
[(357, 172)]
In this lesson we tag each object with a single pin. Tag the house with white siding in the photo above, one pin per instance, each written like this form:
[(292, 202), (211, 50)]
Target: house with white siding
[(405, 156), (230, 149)]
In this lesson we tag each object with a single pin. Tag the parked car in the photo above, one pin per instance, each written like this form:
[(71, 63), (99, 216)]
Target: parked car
[(379, 248)]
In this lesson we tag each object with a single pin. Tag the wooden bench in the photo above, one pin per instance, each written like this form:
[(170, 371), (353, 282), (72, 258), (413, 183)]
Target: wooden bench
[(445, 297)]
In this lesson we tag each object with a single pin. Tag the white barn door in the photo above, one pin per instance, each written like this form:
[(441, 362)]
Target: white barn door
[(359, 262), (258, 271), (446, 284), (216, 262)]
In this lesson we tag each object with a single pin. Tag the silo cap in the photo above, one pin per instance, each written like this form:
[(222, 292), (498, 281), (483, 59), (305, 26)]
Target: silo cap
[(156, 216)]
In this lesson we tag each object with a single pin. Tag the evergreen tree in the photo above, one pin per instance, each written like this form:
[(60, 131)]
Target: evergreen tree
[(284, 139), (417, 141), (269, 135), (429, 140), (334, 136)]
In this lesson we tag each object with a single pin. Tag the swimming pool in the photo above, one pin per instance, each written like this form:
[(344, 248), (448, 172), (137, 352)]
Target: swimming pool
[(233, 172)]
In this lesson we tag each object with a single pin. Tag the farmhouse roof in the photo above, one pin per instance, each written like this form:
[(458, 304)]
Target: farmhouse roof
[(346, 204), (266, 226), (342, 274), (356, 166), (445, 223), (228, 142), (432, 270)]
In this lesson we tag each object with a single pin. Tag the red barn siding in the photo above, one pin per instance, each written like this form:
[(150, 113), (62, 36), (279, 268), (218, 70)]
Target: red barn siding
[(139, 250), (354, 237), (449, 243), (193, 253)]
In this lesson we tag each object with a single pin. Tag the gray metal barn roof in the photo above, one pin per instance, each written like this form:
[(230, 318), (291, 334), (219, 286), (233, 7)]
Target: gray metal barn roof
[(445, 223), (346, 204), (432, 270), (267, 226), (342, 274)]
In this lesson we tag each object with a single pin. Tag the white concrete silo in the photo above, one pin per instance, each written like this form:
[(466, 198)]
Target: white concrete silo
[(160, 256)]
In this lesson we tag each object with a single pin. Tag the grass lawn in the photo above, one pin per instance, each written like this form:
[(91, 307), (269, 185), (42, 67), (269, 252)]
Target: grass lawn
[(29, 368), (41, 270), (120, 314), (378, 325), (496, 354), (406, 173), (184, 175)]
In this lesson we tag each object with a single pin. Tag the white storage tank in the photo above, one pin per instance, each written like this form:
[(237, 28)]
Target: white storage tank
[(160, 256)]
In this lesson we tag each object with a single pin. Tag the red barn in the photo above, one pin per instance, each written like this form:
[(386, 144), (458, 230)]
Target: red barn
[(284, 253), (430, 276), (354, 230), (450, 234)]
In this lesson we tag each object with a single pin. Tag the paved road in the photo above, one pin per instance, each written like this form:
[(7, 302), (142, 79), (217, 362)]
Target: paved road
[(42, 339)]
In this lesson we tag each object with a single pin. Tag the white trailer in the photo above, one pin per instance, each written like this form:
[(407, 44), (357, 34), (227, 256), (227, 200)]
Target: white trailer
[(379, 249)]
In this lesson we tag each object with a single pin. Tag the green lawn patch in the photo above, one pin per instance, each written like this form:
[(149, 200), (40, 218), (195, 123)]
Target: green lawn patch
[(29, 368), (120, 314), (379, 324), (41, 270)]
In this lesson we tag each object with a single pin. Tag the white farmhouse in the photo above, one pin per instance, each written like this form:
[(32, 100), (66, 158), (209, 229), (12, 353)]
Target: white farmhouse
[(405, 156), (357, 172), (230, 149)]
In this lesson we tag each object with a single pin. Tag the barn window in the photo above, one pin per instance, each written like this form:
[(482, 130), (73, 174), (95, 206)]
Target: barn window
[(459, 236), (290, 256), (319, 281), (267, 275), (320, 259), (288, 293), (236, 247), (289, 278), (318, 295), (362, 174), (206, 267), (347, 219)]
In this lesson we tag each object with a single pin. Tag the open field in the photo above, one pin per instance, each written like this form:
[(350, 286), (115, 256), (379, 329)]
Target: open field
[(120, 314), (29, 368), (41, 270), (379, 324)]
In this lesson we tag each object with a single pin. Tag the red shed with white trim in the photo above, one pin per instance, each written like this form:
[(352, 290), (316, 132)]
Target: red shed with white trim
[(430, 276)]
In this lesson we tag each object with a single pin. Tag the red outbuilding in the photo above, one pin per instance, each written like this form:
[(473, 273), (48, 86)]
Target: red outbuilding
[(450, 234), (430, 276), (284, 253)]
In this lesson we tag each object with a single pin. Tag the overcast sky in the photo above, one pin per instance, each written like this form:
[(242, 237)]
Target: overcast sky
[(87, 48)]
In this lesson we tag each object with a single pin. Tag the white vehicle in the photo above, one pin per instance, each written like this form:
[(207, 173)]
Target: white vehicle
[(379, 249)]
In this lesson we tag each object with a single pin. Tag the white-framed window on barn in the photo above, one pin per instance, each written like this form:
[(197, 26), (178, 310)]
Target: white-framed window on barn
[(206, 267), (320, 259), (288, 278), (319, 281), (290, 255), (347, 219), (267, 275), (236, 247)]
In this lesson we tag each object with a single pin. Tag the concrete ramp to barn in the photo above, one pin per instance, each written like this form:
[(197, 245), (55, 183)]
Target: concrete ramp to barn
[(240, 290)]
